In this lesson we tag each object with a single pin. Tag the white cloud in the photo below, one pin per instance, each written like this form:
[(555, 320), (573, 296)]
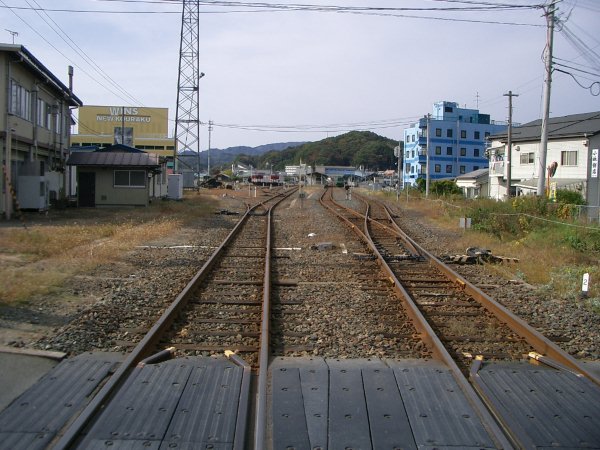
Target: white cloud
[(297, 68)]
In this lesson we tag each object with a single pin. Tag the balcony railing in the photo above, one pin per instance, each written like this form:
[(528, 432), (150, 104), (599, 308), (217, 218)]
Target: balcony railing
[(497, 168)]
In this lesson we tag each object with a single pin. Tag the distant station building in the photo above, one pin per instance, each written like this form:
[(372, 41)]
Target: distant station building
[(334, 174), (35, 126), (457, 143)]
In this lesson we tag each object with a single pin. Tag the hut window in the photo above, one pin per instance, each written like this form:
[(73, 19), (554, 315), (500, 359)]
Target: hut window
[(130, 178)]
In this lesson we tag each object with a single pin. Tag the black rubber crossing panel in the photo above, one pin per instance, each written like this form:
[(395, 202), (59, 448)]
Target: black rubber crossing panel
[(348, 415), (438, 411), (185, 403), (33, 419), (390, 428), (336, 404), (288, 412), (207, 414), (544, 407), (299, 415)]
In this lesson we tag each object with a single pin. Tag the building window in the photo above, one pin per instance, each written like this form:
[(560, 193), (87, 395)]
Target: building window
[(463, 134), (20, 101), (449, 132), (448, 109), (462, 169), (463, 151), (527, 158), (448, 168), (475, 168), (477, 135), (44, 114), (438, 168), (438, 150), (476, 152), (448, 150), (130, 178), (568, 158), (438, 132), (487, 134)]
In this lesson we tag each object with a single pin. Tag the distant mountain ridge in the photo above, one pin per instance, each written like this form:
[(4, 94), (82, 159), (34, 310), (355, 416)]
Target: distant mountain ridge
[(355, 148), (220, 157)]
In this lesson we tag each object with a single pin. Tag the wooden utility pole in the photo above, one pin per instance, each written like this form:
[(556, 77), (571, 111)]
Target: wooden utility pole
[(510, 95), (541, 172)]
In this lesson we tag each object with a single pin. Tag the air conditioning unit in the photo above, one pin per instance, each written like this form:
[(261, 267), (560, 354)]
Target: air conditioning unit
[(175, 186), (32, 192)]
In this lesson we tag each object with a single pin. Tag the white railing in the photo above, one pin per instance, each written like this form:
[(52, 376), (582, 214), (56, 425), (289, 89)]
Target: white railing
[(497, 168)]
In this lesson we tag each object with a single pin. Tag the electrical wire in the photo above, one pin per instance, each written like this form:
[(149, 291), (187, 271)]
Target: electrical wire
[(79, 51)]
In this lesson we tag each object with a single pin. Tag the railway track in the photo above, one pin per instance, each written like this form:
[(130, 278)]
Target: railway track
[(460, 323), (223, 309), (401, 311)]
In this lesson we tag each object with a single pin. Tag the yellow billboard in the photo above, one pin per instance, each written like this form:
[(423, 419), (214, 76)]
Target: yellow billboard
[(146, 122)]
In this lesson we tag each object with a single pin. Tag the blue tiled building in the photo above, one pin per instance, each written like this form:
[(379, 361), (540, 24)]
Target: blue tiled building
[(457, 143)]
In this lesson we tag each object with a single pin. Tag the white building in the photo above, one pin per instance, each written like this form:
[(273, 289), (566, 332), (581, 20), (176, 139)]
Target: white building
[(573, 143)]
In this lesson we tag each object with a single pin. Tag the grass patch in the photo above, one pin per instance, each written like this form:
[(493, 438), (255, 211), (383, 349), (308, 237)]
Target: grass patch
[(40, 258), (553, 247)]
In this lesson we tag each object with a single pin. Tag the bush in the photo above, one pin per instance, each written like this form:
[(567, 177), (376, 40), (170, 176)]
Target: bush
[(445, 188), (567, 197)]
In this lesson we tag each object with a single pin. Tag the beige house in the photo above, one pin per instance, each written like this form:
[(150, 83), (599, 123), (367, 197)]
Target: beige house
[(35, 122), (115, 178)]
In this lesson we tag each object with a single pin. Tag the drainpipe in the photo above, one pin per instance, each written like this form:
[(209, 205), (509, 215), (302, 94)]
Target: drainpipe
[(33, 152)]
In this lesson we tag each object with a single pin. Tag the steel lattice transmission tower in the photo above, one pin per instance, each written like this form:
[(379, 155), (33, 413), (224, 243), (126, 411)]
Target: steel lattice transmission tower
[(187, 120)]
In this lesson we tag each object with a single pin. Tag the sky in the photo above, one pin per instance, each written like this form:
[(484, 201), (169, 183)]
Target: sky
[(275, 74)]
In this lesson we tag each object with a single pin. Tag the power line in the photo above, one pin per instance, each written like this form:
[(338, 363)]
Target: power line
[(79, 51)]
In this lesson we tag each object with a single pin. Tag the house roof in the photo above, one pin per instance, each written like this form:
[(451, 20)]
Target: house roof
[(474, 174), (113, 159), (120, 148), (575, 125), (33, 63)]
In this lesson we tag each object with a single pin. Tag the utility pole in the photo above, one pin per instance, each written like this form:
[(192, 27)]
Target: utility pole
[(550, 17), (210, 128), (398, 153), (510, 95), (427, 159)]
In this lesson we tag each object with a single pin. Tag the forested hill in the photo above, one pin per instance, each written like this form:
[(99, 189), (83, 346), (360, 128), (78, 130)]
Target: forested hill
[(356, 148)]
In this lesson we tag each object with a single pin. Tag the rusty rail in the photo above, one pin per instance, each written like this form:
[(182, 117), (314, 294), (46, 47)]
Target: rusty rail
[(153, 336)]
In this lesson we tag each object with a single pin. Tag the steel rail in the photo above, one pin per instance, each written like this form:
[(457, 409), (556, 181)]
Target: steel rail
[(263, 356), (260, 424), (429, 336), (70, 435), (537, 340)]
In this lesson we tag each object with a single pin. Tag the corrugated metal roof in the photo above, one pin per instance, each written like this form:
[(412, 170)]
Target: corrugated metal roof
[(113, 159), (575, 125)]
